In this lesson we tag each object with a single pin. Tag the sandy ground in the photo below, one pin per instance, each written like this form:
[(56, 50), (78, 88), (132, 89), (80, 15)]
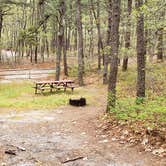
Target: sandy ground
[(67, 136)]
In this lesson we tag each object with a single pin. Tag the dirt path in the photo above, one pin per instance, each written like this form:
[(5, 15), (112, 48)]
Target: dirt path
[(66, 136)]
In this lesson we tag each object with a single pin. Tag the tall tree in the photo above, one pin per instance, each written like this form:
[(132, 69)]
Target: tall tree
[(114, 55), (160, 33), (106, 59), (36, 25), (97, 20), (160, 44), (128, 34), (60, 19), (1, 20), (65, 52), (41, 4), (80, 43), (140, 51)]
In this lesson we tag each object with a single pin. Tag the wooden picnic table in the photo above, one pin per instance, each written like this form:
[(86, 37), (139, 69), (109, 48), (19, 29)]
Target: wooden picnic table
[(50, 85)]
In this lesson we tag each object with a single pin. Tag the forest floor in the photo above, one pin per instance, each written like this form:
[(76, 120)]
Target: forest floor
[(38, 130), (65, 136)]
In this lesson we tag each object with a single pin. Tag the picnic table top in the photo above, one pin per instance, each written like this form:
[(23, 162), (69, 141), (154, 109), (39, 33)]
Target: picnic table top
[(54, 82)]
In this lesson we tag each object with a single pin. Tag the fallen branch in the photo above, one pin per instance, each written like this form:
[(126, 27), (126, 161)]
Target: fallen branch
[(74, 159), (11, 152)]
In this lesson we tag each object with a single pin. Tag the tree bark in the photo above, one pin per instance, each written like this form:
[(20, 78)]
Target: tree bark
[(80, 44), (37, 37), (68, 37), (91, 46), (60, 37), (127, 37), (160, 45), (75, 39), (100, 43), (105, 72), (36, 51), (1, 20), (44, 26), (65, 53), (140, 52), (114, 55)]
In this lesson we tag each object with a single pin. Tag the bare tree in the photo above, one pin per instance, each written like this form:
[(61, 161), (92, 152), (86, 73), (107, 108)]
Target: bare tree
[(114, 54), (97, 20), (1, 20), (140, 51), (106, 59), (128, 34), (80, 44), (65, 41), (160, 44), (60, 19)]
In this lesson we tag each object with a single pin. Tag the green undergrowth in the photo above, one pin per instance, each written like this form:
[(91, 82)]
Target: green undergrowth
[(20, 95), (153, 109)]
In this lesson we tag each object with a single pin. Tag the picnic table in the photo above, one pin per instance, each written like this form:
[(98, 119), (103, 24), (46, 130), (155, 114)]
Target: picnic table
[(50, 85)]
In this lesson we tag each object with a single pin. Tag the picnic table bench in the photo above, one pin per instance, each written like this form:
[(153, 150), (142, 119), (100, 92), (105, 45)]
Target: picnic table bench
[(50, 85)]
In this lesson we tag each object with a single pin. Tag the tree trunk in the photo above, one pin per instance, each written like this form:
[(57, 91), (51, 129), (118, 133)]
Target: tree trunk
[(75, 39), (44, 29), (105, 72), (80, 44), (1, 20), (47, 48), (58, 55), (128, 34), (114, 55), (160, 45), (42, 49), (140, 52), (36, 53), (65, 53), (91, 46), (97, 20), (146, 33), (68, 37), (60, 37), (31, 54), (37, 37), (53, 37)]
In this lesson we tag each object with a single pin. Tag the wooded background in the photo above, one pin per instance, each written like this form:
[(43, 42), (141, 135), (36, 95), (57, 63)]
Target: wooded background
[(108, 31)]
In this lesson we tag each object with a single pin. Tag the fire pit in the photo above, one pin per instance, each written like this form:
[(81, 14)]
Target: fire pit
[(78, 102)]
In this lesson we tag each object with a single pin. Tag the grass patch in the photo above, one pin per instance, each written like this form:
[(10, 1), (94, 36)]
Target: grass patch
[(153, 109), (21, 96)]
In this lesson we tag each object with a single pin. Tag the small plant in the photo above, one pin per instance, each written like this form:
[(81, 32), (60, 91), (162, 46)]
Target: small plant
[(139, 100)]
